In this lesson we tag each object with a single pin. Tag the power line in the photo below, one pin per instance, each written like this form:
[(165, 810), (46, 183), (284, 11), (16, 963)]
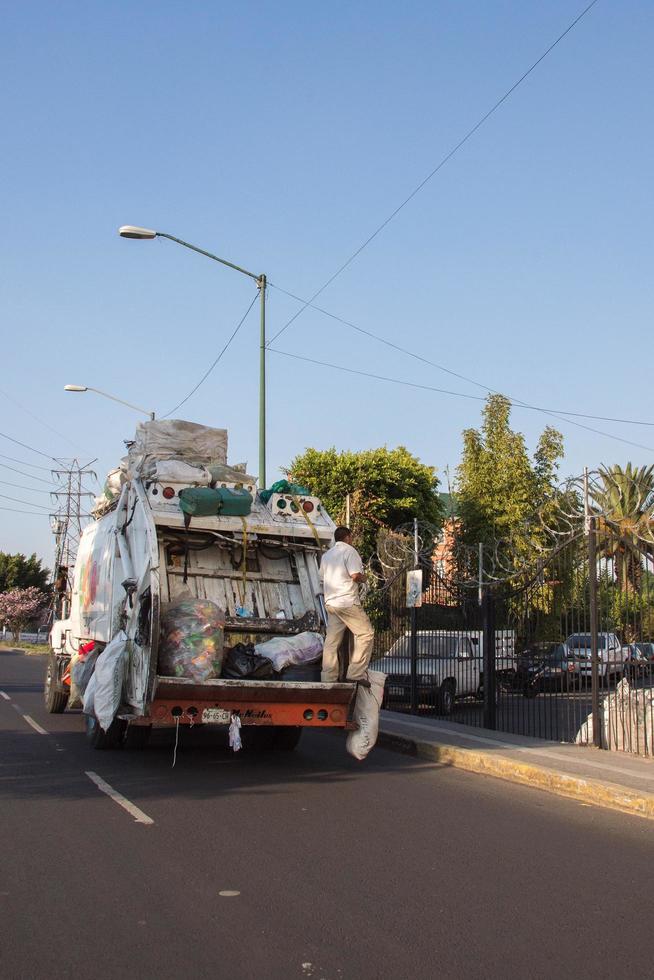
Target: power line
[(28, 502), (31, 448), (14, 510), (207, 373), (20, 486), (36, 418), (34, 466), (448, 156), (458, 394), (454, 374), (28, 475)]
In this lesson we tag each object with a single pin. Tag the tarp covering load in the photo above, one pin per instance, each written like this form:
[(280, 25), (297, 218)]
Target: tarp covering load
[(283, 486), (104, 690), (304, 648), (366, 715), (192, 639), (174, 439)]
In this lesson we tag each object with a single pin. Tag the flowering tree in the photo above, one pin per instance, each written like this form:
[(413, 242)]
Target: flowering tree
[(19, 606)]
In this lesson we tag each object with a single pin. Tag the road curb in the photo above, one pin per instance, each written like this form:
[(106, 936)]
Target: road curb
[(591, 791)]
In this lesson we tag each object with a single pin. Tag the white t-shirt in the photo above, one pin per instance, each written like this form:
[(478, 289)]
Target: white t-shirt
[(336, 568)]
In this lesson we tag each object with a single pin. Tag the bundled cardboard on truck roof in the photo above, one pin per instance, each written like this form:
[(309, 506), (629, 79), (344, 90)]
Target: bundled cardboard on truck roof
[(176, 439)]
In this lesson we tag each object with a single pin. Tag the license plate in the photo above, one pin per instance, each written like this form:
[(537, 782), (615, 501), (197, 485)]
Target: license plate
[(216, 716), (397, 692)]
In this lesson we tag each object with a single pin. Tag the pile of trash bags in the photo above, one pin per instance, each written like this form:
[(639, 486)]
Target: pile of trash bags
[(192, 639), (261, 661)]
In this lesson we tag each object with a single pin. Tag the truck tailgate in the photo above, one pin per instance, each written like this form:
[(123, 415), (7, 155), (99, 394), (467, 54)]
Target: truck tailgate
[(260, 702)]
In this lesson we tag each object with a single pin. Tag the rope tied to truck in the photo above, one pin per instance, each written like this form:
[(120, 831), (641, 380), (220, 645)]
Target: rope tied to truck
[(307, 519)]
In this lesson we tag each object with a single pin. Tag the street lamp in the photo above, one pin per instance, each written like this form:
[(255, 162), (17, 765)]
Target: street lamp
[(107, 395), (144, 234)]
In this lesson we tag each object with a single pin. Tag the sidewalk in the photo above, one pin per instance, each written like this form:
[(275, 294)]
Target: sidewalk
[(610, 779)]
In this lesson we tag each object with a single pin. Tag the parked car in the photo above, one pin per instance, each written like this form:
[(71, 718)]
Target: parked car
[(447, 667), (545, 667), (640, 660), (612, 655)]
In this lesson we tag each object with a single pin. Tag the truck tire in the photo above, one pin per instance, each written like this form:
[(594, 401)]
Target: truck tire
[(55, 699), (137, 736), (286, 738), (446, 697), (111, 739)]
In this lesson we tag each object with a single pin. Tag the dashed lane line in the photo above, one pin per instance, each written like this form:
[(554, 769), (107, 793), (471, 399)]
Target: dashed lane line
[(3, 694), (131, 808), (35, 725)]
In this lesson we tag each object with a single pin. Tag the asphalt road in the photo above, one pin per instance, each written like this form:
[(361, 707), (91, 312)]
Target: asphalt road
[(391, 868)]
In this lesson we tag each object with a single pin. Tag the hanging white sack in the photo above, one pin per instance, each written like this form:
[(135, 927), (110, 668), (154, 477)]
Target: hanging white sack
[(109, 675), (366, 715), (89, 696)]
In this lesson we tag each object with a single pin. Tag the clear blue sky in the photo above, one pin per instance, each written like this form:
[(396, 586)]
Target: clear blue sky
[(280, 136)]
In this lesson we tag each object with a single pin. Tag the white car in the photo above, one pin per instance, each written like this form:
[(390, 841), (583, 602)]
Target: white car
[(610, 652), (448, 667)]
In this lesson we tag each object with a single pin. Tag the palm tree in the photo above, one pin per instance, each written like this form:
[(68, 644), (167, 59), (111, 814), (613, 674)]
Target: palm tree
[(624, 506)]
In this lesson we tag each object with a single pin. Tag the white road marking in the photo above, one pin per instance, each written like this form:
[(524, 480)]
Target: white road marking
[(4, 695), (139, 815), (35, 725), (17, 708), (229, 894)]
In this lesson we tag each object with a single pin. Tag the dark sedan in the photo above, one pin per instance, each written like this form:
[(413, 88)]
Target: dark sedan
[(545, 667)]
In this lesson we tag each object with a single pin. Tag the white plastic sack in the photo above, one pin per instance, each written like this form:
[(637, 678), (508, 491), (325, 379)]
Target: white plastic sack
[(305, 648), (176, 471), (89, 696), (366, 715), (108, 677)]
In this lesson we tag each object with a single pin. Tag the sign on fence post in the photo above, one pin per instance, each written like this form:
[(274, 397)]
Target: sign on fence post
[(413, 601), (414, 588)]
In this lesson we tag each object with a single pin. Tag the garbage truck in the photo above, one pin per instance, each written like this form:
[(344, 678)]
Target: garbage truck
[(177, 524)]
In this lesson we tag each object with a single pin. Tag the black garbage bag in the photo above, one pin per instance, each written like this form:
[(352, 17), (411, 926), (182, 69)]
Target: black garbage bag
[(242, 663)]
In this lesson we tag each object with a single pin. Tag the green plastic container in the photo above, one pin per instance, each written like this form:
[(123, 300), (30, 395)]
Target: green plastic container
[(223, 501)]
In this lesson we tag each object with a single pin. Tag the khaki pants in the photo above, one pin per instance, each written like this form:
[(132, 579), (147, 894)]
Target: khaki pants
[(355, 619)]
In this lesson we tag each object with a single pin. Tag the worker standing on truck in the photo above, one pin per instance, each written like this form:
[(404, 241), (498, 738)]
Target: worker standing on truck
[(341, 571)]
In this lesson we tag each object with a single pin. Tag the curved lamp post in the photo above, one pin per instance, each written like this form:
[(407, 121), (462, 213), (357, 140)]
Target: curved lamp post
[(145, 234), (107, 395)]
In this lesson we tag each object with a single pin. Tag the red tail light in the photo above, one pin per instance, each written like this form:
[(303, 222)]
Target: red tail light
[(168, 493)]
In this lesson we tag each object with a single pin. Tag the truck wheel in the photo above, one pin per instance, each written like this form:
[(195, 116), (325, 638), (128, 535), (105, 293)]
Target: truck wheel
[(286, 738), (137, 736), (446, 698), (98, 739), (55, 699)]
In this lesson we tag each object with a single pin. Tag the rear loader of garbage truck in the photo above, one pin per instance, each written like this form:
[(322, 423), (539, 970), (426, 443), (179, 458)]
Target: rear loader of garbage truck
[(197, 597)]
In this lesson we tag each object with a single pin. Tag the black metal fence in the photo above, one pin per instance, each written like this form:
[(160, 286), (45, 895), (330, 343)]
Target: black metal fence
[(562, 651)]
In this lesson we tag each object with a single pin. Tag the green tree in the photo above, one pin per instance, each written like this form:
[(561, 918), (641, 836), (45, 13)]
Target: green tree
[(387, 487), (624, 502), (19, 572), (499, 487)]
